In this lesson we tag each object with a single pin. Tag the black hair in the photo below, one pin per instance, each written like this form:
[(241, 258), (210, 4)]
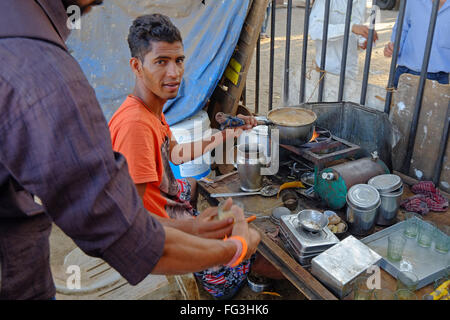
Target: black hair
[(148, 28)]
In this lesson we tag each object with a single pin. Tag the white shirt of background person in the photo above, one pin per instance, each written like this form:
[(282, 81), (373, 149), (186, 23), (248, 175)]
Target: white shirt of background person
[(336, 28)]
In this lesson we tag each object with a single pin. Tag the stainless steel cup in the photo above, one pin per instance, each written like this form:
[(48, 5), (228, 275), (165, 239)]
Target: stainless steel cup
[(250, 160), (390, 187), (363, 202), (390, 203)]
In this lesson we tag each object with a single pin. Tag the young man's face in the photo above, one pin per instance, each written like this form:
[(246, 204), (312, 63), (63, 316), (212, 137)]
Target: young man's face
[(163, 69)]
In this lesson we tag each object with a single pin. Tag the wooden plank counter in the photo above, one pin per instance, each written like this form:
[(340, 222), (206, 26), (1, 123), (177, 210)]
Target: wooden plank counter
[(272, 248)]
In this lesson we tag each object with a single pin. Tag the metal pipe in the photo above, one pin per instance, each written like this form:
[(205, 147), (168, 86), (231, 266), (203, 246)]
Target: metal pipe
[(348, 17), (368, 56), (398, 36), (272, 49), (326, 19), (304, 51), (442, 148), (258, 67), (287, 52), (420, 90)]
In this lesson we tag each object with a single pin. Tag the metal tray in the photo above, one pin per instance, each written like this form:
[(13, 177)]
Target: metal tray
[(426, 263), (304, 260)]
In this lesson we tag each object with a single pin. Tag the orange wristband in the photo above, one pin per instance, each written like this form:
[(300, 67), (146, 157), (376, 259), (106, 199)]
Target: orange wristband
[(236, 260)]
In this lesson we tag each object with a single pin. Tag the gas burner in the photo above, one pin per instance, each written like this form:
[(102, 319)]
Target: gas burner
[(318, 136), (325, 151)]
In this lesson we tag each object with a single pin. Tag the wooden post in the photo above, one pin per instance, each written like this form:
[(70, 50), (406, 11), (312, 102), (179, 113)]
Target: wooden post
[(227, 94)]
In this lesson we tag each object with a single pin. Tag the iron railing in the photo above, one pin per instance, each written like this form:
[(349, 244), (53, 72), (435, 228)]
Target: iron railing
[(389, 88)]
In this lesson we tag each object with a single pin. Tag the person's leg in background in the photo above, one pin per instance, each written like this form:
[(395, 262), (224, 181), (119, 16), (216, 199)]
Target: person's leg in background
[(266, 21), (441, 77), (399, 71)]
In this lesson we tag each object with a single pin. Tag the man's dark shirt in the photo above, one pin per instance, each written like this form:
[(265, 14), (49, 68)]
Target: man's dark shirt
[(55, 144)]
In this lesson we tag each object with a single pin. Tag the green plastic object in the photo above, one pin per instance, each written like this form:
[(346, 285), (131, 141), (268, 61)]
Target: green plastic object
[(335, 192)]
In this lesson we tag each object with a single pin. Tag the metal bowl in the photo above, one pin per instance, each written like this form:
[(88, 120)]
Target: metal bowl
[(258, 284), (312, 220)]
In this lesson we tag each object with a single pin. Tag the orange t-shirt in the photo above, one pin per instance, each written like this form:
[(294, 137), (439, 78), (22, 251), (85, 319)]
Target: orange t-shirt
[(144, 140)]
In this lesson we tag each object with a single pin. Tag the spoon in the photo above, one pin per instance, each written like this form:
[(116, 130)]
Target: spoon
[(267, 191)]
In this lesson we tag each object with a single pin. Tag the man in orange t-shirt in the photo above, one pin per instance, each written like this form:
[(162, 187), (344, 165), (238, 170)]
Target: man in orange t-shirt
[(139, 131), (144, 139)]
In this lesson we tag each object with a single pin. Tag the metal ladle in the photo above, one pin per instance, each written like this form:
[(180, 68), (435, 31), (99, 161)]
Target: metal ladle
[(267, 191)]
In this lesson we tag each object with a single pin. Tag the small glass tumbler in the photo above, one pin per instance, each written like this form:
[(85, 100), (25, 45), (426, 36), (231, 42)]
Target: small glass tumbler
[(396, 245), (407, 280), (426, 234), (412, 221), (384, 294), (360, 289), (405, 294), (442, 239)]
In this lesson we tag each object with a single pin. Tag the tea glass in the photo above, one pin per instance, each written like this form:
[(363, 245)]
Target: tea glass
[(396, 245), (426, 234), (442, 239), (412, 221), (407, 280), (405, 294), (360, 289)]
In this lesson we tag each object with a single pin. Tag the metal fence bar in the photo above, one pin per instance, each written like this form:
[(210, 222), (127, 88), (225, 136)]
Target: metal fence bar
[(258, 68), (368, 56), (272, 48), (326, 20), (420, 90), (442, 148), (398, 36), (348, 17), (304, 51), (287, 52)]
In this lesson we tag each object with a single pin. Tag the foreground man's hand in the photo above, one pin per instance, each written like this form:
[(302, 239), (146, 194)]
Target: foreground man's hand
[(242, 229), (205, 226)]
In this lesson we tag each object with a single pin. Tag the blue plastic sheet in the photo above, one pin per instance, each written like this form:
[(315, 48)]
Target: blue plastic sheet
[(210, 33)]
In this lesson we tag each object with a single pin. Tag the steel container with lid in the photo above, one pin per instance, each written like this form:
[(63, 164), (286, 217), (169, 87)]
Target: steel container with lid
[(390, 188), (363, 202)]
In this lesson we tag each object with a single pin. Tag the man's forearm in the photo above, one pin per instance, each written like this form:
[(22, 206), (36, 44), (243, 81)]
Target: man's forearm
[(184, 253), (184, 225), (189, 151)]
